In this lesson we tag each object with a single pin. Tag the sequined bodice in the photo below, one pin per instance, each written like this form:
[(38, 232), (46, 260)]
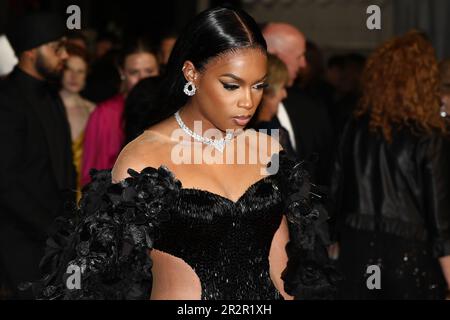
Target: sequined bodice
[(226, 243)]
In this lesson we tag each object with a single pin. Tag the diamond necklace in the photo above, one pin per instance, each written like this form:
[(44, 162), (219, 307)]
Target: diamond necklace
[(217, 144)]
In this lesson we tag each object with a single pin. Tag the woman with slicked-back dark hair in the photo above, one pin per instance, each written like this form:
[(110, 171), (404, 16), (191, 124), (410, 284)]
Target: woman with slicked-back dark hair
[(196, 207), (214, 33)]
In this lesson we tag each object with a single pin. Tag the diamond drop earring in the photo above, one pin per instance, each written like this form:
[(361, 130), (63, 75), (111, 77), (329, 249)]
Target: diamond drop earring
[(190, 89)]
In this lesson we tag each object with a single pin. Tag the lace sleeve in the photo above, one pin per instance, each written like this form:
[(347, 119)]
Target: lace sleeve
[(108, 240), (309, 273)]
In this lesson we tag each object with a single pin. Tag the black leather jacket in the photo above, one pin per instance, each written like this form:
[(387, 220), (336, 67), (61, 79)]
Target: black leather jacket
[(402, 187)]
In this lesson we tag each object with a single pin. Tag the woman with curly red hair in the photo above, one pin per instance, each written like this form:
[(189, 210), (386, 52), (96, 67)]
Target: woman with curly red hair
[(391, 183)]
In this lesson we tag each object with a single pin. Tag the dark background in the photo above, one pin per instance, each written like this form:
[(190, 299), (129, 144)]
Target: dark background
[(155, 17), (152, 17)]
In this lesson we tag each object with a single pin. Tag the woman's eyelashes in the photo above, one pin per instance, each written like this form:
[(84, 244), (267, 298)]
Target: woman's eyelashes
[(262, 85), (231, 87)]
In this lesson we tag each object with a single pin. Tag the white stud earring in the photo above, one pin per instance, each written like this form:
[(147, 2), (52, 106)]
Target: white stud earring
[(190, 89)]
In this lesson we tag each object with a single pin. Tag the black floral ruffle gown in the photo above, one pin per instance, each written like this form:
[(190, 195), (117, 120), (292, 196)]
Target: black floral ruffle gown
[(226, 243)]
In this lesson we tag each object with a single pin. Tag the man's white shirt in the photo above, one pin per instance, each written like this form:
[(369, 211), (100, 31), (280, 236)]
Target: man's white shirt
[(285, 122)]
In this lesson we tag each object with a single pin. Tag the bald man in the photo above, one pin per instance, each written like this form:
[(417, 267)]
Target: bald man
[(305, 118), (289, 44)]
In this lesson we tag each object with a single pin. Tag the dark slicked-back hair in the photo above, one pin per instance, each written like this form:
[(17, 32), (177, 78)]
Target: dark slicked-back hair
[(212, 33)]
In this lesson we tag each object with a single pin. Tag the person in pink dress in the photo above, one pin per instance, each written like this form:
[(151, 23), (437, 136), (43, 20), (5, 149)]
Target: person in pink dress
[(104, 136)]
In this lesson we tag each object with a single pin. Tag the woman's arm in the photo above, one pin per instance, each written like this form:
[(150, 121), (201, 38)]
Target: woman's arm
[(278, 257), (437, 197), (445, 265)]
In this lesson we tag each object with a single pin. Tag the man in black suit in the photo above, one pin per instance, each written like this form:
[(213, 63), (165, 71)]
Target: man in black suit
[(37, 175), (305, 118)]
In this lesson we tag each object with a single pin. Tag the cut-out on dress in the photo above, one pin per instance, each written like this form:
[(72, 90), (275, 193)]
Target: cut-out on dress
[(226, 243)]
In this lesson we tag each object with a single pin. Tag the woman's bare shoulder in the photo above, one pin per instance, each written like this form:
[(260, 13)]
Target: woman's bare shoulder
[(150, 149)]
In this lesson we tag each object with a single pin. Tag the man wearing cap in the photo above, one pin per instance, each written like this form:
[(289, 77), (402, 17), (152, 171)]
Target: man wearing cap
[(37, 175)]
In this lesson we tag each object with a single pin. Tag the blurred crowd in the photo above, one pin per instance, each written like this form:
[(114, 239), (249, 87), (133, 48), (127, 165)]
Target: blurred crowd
[(373, 130)]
